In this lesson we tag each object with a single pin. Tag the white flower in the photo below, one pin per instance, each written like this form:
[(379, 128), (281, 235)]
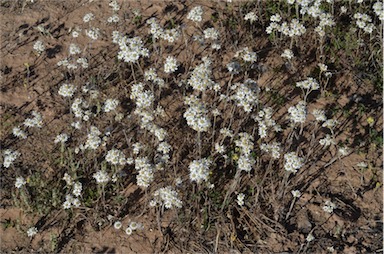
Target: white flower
[(39, 47), (197, 115), (195, 14), (199, 170), (211, 33), (145, 168), (88, 17), (114, 5), (113, 19), (170, 64), (251, 16), (343, 151), (309, 84), (296, 193), (240, 199), (292, 162), (310, 237), (9, 157), (319, 115), (117, 225), (329, 206), (17, 132), (110, 105), (128, 231), (101, 177), (115, 157), (74, 49), (93, 33), (32, 231), (298, 113), (20, 181), (168, 197), (287, 54), (327, 141), (67, 90), (61, 138)]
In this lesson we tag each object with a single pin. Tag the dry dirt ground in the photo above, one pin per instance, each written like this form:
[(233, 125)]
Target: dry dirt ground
[(29, 82)]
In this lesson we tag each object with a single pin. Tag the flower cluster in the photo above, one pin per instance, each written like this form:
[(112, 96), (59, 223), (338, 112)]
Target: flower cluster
[(199, 170), (88, 17), (110, 105), (151, 75), (36, 121), (378, 9), (170, 64), (240, 199), (101, 177), (61, 138), (251, 16), (20, 181), (319, 115), (39, 47), (17, 132), (246, 160), (273, 148), (145, 169), (363, 21), (265, 121), (246, 95), (196, 114), (327, 141), (200, 78), (170, 35), (294, 28), (293, 162), (211, 33), (69, 201), (93, 33), (287, 54), (246, 55), (67, 90), (309, 84), (329, 206), (196, 14), (9, 157), (298, 113), (131, 49), (115, 157), (93, 139), (168, 197), (143, 98), (32, 231), (132, 227)]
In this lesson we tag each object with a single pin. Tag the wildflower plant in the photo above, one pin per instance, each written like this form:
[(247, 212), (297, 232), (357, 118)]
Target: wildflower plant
[(203, 118)]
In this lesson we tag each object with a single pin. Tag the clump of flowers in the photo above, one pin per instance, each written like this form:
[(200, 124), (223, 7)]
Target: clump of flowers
[(115, 157), (101, 177), (298, 113), (200, 78), (378, 9), (196, 114), (17, 132), (20, 181), (246, 55), (61, 138), (131, 49), (196, 14), (246, 160), (199, 170), (110, 105), (170, 64), (39, 47), (145, 169), (273, 148), (168, 197), (67, 90), (251, 17), (36, 121), (9, 157), (329, 206), (132, 227), (292, 162), (287, 54), (363, 21), (240, 199), (246, 95), (31, 232), (265, 121)]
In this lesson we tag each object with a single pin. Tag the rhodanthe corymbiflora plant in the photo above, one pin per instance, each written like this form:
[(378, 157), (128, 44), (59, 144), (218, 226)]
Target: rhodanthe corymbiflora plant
[(218, 121)]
